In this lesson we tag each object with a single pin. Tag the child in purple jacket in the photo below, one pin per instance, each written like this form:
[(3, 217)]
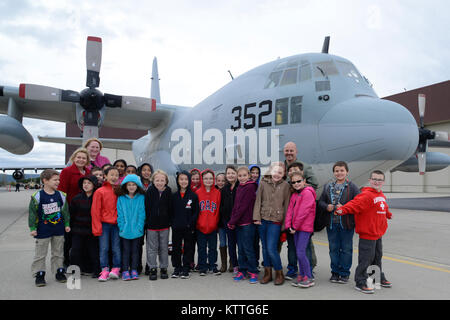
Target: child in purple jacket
[(242, 220), (300, 222)]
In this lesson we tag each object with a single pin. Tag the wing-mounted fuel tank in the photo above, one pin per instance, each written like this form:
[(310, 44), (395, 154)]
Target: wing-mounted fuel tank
[(14, 137)]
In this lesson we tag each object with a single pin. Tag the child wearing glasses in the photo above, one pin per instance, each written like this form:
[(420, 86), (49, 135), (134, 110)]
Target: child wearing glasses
[(371, 213), (300, 222)]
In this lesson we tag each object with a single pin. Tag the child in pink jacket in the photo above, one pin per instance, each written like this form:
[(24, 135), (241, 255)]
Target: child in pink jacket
[(300, 222)]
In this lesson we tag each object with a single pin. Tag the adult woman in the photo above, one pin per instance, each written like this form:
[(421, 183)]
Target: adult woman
[(94, 146), (68, 183)]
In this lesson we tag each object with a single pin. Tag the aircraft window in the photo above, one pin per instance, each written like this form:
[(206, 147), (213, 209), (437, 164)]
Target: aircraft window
[(281, 111), (292, 63), (296, 109), (289, 77), (305, 72), (349, 70), (281, 66), (274, 79), (324, 69)]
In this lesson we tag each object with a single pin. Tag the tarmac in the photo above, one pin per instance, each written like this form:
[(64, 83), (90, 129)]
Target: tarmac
[(416, 260)]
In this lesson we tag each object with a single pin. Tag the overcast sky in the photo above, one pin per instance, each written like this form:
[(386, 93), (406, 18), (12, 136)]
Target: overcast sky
[(395, 44)]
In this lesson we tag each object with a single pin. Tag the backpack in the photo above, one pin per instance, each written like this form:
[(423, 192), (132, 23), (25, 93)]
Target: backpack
[(321, 220)]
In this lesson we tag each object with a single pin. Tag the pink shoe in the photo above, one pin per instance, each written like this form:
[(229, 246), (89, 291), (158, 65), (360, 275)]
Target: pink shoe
[(114, 274), (104, 275)]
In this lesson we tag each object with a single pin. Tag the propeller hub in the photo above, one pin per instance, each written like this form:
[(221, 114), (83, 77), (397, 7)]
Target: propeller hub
[(91, 99)]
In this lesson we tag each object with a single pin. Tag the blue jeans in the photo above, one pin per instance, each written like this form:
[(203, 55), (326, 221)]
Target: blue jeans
[(207, 260), (246, 247), (340, 242), (269, 233), (292, 254), (110, 234)]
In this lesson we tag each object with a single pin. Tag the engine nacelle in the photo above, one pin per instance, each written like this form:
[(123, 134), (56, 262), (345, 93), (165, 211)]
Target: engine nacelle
[(18, 175), (14, 137)]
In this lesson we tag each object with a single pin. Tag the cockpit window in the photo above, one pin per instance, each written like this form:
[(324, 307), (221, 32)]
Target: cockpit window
[(305, 72), (324, 69), (289, 77), (274, 79), (349, 70)]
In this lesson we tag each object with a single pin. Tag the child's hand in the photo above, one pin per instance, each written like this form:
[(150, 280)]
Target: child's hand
[(330, 207), (231, 227), (338, 212), (292, 231), (33, 233), (257, 222), (67, 229)]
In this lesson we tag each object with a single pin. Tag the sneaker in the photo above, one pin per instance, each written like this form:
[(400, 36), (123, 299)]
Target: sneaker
[(153, 274), (164, 274), (235, 270), (61, 275), (291, 275), (104, 275), (216, 272), (364, 289), (296, 281), (253, 278), (343, 279), (126, 276), (203, 272), (114, 274), (386, 284), (306, 282), (40, 279), (175, 274), (240, 276), (134, 275), (185, 275), (334, 277)]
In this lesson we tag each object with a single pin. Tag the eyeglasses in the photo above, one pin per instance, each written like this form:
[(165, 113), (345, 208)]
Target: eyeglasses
[(298, 181), (377, 180)]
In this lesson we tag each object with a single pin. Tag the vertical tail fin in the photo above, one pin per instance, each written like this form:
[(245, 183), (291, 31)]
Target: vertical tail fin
[(155, 94)]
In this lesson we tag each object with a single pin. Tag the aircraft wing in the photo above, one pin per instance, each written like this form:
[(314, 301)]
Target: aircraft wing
[(63, 111), (122, 144), (35, 168)]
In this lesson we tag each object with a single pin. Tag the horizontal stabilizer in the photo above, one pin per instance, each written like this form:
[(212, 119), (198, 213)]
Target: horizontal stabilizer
[(121, 144)]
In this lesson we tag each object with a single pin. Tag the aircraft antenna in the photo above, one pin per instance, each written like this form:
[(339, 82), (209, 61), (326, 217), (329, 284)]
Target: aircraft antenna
[(326, 44), (230, 75)]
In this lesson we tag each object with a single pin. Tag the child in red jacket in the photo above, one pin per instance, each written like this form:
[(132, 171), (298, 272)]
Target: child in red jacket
[(371, 213), (207, 223), (300, 222)]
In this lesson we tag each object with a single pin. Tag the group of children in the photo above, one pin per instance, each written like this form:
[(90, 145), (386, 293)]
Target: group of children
[(119, 206)]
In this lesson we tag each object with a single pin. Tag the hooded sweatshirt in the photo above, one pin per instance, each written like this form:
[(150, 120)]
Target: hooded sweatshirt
[(80, 209), (209, 202), (242, 213), (185, 207), (371, 213), (255, 166), (131, 211), (195, 188), (104, 208), (302, 210)]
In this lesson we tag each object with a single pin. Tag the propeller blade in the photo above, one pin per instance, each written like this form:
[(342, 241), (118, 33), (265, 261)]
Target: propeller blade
[(93, 61), (138, 103), (38, 92), (112, 100), (441, 136), (422, 158), (421, 108)]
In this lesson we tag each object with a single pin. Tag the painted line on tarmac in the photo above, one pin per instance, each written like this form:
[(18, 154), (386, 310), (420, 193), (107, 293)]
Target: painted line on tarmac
[(416, 264)]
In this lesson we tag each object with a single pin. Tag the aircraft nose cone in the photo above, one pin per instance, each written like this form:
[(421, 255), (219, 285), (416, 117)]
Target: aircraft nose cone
[(368, 129)]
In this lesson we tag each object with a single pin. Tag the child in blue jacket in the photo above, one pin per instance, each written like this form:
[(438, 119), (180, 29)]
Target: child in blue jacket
[(130, 220)]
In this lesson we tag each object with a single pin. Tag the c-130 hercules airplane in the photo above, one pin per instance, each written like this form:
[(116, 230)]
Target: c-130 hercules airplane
[(318, 101)]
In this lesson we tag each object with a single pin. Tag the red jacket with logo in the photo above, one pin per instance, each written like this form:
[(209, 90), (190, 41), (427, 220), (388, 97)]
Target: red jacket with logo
[(371, 213), (209, 203)]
